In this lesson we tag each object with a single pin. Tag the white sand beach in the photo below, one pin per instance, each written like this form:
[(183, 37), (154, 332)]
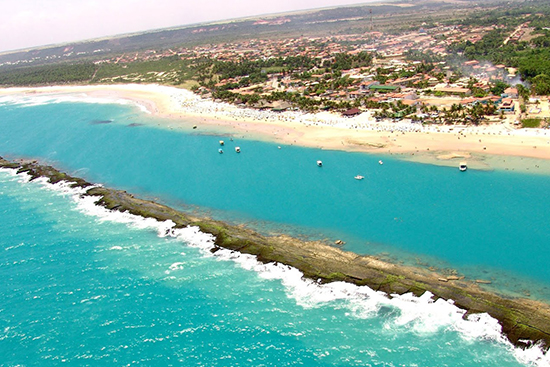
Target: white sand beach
[(181, 108)]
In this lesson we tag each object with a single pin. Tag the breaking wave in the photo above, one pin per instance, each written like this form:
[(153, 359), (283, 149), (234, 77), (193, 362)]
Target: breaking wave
[(40, 100), (421, 315)]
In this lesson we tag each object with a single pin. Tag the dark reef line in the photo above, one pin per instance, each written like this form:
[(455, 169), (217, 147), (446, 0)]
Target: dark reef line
[(523, 321)]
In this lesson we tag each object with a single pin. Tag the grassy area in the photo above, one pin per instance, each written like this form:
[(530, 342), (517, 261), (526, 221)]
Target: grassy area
[(531, 123), (169, 70), (274, 69), (189, 84)]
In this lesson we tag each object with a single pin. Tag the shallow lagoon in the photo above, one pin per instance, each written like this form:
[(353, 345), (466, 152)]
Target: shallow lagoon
[(105, 289), (486, 224), (83, 289)]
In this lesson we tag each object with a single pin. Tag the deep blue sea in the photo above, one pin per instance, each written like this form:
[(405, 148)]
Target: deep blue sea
[(88, 287)]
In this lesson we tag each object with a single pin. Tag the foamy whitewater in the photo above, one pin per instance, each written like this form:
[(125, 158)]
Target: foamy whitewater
[(41, 100), (477, 339), (85, 285)]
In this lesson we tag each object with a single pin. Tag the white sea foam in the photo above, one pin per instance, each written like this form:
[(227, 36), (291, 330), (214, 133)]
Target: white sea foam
[(23, 177), (40, 100), (14, 247), (420, 315), (10, 171), (176, 266)]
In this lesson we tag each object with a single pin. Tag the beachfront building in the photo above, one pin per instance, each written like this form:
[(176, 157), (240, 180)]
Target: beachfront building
[(507, 106), (351, 112), (510, 93)]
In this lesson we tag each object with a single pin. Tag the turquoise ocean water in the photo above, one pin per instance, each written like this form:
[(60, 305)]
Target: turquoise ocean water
[(89, 287)]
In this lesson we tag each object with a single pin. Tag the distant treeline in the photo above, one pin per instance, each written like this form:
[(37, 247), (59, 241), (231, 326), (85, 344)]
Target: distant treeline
[(48, 74), (514, 13), (167, 70)]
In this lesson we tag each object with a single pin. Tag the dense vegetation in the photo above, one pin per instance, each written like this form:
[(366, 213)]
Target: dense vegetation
[(531, 58), (168, 70), (48, 74), (290, 64), (256, 69)]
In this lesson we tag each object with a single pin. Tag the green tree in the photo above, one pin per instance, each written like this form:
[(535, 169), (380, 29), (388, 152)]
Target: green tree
[(522, 91), (540, 85), (499, 88)]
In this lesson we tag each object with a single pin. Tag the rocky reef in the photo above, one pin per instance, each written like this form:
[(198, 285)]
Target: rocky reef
[(523, 321)]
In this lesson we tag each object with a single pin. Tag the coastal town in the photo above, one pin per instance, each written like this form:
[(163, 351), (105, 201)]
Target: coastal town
[(433, 72), (409, 77), (347, 185)]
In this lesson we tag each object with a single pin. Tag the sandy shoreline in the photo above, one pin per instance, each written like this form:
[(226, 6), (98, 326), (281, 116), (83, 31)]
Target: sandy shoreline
[(444, 145)]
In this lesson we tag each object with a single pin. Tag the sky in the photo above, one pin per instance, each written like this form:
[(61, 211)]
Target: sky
[(30, 23)]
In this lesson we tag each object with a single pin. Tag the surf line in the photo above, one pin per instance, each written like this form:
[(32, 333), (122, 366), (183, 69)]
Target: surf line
[(524, 322)]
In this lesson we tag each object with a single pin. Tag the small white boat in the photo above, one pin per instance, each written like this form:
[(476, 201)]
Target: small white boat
[(237, 149), (463, 167), (222, 142), (320, 163), (380, 162), (359, 177), (220, 151)]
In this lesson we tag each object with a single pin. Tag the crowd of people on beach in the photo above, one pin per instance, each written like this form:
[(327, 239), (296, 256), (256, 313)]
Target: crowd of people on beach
[(190, 103)]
